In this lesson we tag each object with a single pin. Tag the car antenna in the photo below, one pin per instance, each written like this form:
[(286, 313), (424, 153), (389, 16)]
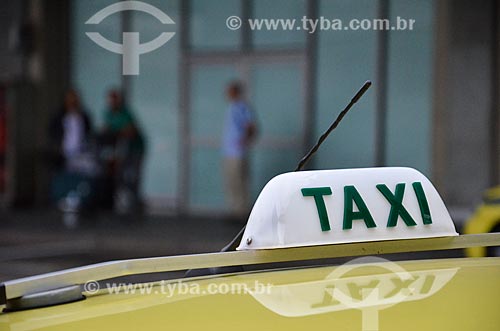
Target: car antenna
[(231, 246), (234, 243), (332, 127)]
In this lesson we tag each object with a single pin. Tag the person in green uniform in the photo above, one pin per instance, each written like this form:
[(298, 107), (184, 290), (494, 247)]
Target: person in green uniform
[(121, 128)]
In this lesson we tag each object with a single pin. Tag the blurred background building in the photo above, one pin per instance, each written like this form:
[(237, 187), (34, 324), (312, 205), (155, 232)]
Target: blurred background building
[(434, 105)]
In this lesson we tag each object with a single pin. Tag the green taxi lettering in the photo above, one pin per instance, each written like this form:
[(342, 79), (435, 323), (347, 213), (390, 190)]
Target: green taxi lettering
[(318, 193), (422, 203), (397, 208), (351, 196), (355, 207)]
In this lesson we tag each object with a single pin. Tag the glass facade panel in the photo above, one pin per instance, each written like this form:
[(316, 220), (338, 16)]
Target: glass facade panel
[(409, 112), (154, 99), (280, 9), (276, 96), (346, 59), (208, 30), (208, 109), (94, 70)]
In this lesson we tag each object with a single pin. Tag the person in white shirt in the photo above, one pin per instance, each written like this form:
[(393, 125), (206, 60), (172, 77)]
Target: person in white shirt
[(69, 132)]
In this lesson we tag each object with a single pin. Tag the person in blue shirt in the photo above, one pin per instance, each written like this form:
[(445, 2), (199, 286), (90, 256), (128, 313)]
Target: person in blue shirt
[(239, 133)]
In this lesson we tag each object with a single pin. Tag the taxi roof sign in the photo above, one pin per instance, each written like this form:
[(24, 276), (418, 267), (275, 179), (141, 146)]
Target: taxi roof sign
[(341, 206)]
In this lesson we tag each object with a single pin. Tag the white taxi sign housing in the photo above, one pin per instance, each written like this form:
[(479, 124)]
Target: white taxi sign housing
[(341, 206)]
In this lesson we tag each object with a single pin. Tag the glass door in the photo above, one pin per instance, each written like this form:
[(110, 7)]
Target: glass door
[(206, 126), (275, 91), (278, 99)]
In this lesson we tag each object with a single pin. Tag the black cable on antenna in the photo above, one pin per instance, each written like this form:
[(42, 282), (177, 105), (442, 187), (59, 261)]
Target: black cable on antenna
[(339, 118)]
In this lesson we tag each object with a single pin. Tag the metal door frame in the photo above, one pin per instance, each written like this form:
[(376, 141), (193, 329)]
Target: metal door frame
[(243, 64), (243, 58)]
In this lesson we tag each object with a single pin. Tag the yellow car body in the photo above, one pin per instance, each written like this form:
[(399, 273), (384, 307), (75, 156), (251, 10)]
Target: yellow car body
[(445, 294), (290, 223)]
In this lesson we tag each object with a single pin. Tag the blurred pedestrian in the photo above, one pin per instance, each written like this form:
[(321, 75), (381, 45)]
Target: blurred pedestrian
[(239, 134), (69, 134), (73, 164), (121, 128)]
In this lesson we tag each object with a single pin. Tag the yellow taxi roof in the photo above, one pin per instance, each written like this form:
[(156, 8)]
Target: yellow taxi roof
[(444, 294)]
